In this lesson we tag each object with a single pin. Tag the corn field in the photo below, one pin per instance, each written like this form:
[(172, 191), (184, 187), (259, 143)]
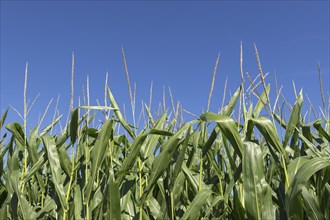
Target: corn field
[(213, 167)]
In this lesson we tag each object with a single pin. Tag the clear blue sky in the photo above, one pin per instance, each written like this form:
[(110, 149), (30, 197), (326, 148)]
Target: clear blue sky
[(172, 43)]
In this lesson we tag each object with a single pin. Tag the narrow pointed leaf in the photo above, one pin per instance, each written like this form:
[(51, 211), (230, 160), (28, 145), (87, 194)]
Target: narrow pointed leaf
[(54, 162), (321, 130), (162, 161), (17, 132), (228, 109), (50, 126), (136, 146), (74, 126), (304, 171), (78, 203), (294, 119), (25, 208), (119, 115), (254, 184), (312, 209), (98, 154), (115, 211), (196, 205), (261, 102), (3, 118), (228, 128), (267, 129)]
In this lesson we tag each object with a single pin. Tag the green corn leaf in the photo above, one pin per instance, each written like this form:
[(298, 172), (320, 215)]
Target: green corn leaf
[(49, 205), (33, 143), (247, 128), (78, 205), (261, 102), (294, 166), (74, 126), (215, 201), (98, 154), (179, 160), (192, 180), (97, 107), (151, 119), (96, 199), (239, 211), (306, 132), (294, 119), (50, 126), (196, 205), (312, 209), (236, 176), (162, 161), (27, 211), (3, 118), (36, 166), (119, 115), (318, 125), (178, 188), (17, 132), (65, 161), (152, 141), (228, 128), (267, 129), (211, 140), (136, 146), (54, 162), (154, 207), (228, 109), (61, 140), (257, 205), (311, 147), (115, 210), (303, 171)]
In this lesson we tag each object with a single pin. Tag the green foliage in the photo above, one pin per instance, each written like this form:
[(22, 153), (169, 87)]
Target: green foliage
[(239, 171)]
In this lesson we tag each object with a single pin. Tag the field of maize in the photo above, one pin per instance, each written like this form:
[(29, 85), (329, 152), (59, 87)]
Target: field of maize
[(231, 164)]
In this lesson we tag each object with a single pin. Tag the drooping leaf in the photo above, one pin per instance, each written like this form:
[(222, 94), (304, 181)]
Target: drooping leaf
[(17, 132), (119, 115), (229, 129), (267, 129), (318, 125), (304, 170), (228, 109)]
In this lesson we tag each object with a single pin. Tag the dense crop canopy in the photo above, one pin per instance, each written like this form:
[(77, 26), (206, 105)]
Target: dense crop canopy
[(214, 167)]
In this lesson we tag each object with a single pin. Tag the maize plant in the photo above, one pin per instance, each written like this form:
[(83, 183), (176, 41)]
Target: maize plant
[(213, 167)]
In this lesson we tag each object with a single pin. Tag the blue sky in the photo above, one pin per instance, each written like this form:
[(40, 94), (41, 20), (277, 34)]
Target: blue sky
[(170, 43)]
